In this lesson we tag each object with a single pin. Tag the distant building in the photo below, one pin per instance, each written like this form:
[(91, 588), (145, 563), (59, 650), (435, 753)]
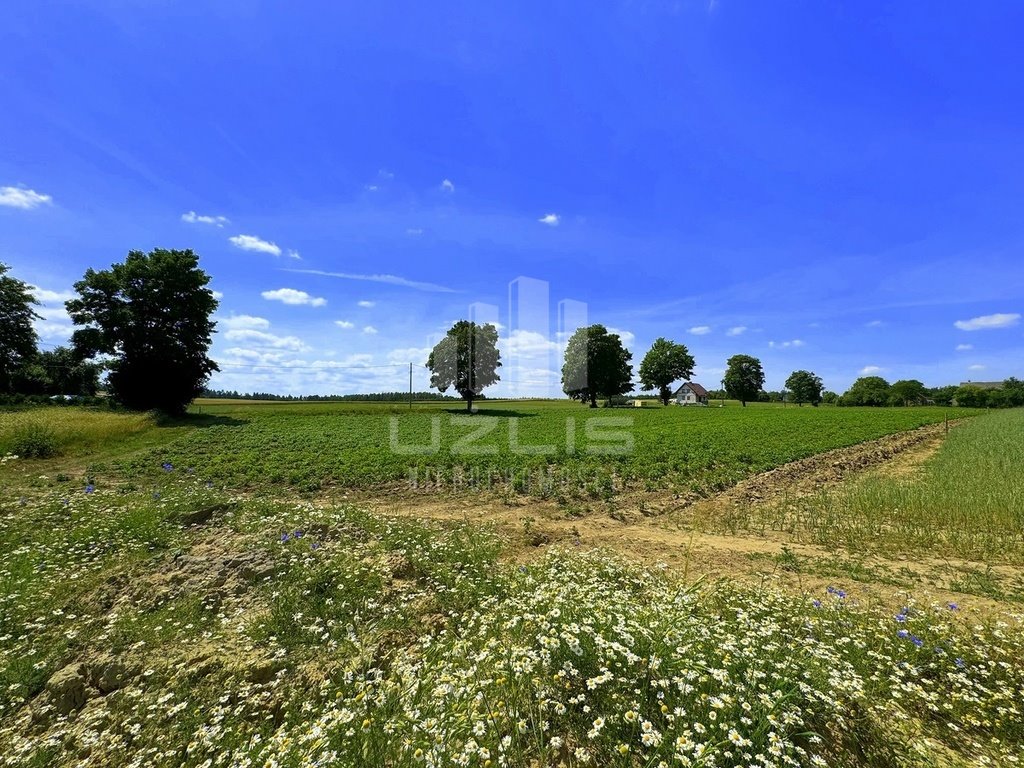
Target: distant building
[(982, 384), (691, 393)]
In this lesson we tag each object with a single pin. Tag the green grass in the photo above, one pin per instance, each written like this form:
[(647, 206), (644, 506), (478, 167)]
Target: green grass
[(965, 502), (380, 641), (48, 432), (315, 446)]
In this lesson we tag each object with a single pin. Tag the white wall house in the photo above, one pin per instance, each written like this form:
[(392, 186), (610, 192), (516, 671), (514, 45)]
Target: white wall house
[(691, 393)]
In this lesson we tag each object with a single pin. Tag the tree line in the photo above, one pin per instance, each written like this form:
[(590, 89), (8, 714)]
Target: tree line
[(147, 322), (227, 394)]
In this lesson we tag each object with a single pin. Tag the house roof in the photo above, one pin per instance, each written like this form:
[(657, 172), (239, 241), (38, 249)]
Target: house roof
[(696, 388), (982, 384)]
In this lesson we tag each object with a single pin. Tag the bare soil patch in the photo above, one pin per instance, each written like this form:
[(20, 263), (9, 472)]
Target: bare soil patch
[(667, 529)]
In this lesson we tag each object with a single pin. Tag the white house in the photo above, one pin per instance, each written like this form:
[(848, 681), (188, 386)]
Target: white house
[(691, 393)]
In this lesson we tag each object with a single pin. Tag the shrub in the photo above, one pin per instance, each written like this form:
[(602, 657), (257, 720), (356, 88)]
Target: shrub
[(35, 441)]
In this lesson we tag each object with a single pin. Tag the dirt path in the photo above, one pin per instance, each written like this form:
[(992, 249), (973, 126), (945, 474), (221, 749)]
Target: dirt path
[(674, 530)]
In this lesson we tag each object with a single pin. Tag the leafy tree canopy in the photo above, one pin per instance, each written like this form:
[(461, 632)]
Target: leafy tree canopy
[(868, 390), (466, 359), (805, 387), (744, 378), (665, 362), (151, 314), (17, 336), (908, 391), (596, 364)]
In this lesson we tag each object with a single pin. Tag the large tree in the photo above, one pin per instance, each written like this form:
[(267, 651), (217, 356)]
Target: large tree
[(466, 359), (17, 336), (805, 387), (867, 390), (596, 364), (665, 362), (151, 315), (744, 378), (907, 391)]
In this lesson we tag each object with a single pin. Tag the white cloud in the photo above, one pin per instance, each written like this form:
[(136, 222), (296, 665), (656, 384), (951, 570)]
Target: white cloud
[(344, 324), (293, 297), (218, 295), (551, 219), (870, 370), (369, 329), (385, 174), (194, 218), (447, 186), (292, 254), (52, 297), (736, 330), (415, 355), (786, 344), (964, 347), (263, 339), (524, 343), (26, 199), (389, 279), (366, 304), (976, 367), (874, 324), (986, 322), (253, 243), (628, 337), (414, 231), (700, 330), (240, 322)]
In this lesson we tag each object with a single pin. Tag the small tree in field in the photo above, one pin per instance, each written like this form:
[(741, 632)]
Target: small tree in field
[(17, 336), (151, 314), (665, 362), (744, 378), (466, 359), (804, 387), (596, 364)]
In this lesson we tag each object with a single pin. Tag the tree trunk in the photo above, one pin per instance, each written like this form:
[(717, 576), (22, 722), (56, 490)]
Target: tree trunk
[(744, 403), (593, 401), (469, 405), (665, 394)]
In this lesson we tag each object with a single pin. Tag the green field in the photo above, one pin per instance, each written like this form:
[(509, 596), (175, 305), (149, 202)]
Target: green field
[(318, 446), (190, 593)]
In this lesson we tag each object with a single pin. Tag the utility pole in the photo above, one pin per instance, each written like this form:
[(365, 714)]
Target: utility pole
[(410, 386)]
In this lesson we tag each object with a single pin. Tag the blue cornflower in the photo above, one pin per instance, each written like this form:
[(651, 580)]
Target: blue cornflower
[(917, 641), (167, 466), (90, 488), (954, 607), (903, 634), (900, 617), (959, 662), (315, 545), (816, 603), (298, 534), (285, 537)]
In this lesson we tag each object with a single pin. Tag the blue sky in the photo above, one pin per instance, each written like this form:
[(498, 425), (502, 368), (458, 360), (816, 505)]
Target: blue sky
[(826, 186)]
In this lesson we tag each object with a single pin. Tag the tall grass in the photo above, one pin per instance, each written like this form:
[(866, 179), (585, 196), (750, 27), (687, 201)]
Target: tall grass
[(966, 501), (45, 432)]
